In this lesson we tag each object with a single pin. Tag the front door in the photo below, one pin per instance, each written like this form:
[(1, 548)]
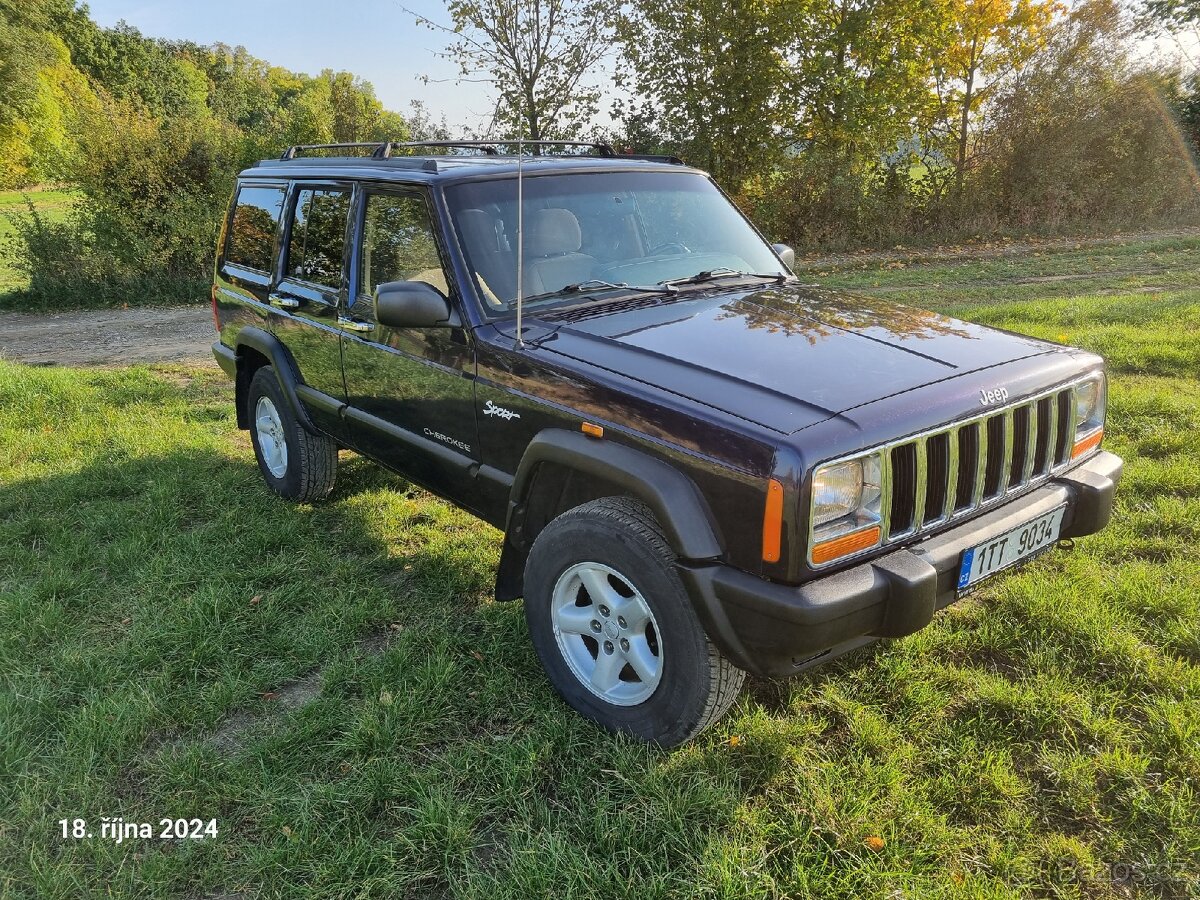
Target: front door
[(309, 293), (410, 391)]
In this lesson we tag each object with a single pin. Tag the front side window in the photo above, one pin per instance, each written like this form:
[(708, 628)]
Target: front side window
[(398, 243), (318, 237), (252, 229), (635, 228)]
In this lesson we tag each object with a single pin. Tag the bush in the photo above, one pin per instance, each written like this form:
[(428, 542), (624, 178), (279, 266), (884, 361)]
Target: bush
[(63, 268), (153, 192), (1086, 138), (814, 201), (154, 189)]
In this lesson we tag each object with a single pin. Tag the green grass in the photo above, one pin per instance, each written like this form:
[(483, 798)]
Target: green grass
[(335, 686)]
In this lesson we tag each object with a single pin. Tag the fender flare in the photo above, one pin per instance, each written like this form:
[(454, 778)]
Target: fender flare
[(674, 499), (286, 372)]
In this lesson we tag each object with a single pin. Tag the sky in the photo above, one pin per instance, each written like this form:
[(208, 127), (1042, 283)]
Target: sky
[(375, 39)]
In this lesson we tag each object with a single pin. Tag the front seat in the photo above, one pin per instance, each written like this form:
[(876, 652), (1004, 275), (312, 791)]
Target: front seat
[(552, 257), (495, 268)]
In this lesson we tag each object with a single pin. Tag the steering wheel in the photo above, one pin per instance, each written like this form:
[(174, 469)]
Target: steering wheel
[(670, 246)]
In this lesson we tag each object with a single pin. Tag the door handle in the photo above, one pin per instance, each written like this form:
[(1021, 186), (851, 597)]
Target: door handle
[(285, 302), (354, 325)]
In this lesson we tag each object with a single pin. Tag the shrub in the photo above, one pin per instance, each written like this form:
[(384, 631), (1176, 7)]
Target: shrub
[(63, 268)]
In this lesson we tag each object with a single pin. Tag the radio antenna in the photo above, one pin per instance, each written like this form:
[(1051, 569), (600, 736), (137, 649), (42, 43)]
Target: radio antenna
[(520, 239)]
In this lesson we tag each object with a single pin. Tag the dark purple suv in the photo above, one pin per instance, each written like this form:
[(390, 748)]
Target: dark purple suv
[(702, 467)]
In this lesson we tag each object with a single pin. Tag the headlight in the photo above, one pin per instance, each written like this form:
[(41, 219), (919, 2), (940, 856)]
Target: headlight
[(1091, 401), (837, 491), (845, 501)]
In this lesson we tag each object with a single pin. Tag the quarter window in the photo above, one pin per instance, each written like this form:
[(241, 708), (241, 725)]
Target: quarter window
[(318, 237), (398, 243), (252, 232)]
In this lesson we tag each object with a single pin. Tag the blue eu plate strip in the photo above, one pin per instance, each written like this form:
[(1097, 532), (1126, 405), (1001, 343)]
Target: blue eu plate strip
[(964, 573)]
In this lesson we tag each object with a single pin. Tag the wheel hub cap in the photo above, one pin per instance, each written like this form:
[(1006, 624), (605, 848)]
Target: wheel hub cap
[(271, 440), (607, 634)]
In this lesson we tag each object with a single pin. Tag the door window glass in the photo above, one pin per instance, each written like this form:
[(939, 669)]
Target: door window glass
[(318, 237), (398, 243), (252, 231)]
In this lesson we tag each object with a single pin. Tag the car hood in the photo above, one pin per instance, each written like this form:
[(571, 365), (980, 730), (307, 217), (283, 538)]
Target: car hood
[(784, 357)]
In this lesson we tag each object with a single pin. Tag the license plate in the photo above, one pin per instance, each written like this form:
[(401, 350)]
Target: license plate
[(1022, 543)]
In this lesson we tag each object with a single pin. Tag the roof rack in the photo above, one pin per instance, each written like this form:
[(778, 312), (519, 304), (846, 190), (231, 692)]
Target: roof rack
[(383, 149)]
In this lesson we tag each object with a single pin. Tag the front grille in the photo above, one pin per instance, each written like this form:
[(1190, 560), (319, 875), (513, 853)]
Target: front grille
[(953, 471)]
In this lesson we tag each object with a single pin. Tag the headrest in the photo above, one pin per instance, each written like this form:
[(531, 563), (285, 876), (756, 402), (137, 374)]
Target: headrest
[(549, 232), (478, 230)]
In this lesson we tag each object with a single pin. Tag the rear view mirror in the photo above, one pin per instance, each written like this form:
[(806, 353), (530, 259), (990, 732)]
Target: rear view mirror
[(787, 254), (412, 304)]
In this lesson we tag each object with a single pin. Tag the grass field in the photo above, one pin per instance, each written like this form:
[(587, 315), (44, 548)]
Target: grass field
[(334, 685)]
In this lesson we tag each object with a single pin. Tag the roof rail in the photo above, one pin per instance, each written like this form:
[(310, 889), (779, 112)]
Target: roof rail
[(489, 147), (293, 151), (383, 149)]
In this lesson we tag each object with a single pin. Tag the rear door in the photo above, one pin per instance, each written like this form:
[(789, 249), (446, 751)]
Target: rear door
[(246, 258), (410, 391), (310, 292)]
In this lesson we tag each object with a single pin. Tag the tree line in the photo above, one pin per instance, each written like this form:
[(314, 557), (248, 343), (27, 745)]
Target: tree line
[(866, 121), (149, 134), (832, 122)]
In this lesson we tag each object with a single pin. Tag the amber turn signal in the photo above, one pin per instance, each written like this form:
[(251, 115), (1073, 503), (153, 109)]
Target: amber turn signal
[(1092, 440), (773, 522), (596, 431), (828, 551)]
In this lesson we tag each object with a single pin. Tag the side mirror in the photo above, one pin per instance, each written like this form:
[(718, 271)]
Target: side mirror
[(412, 304), (787, 254)]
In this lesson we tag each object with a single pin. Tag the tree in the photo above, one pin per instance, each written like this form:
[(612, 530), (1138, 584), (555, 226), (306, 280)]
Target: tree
[(40, 93), (537, 53), (713, 78), (357, 114), (1173, 15), (861, 72), (989, 40)]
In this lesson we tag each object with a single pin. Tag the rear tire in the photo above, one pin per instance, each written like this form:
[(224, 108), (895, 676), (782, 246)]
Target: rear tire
[(615, 629), (296, 464)]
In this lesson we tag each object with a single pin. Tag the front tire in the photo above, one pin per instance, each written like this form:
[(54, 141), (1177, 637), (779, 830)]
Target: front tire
[(296, 464), (615, 630)]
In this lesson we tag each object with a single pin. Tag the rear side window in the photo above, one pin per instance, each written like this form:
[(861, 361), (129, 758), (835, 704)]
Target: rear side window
[(318, 237), (252, 232)]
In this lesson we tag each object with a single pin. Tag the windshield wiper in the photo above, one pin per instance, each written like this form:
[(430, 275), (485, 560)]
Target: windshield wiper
[(595, 285), (714, 274)]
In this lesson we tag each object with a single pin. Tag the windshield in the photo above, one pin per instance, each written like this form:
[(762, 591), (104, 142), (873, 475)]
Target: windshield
[(593, 233)]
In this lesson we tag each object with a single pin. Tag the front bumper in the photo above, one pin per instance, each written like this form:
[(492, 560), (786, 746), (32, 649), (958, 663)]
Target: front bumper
[(773, 629)]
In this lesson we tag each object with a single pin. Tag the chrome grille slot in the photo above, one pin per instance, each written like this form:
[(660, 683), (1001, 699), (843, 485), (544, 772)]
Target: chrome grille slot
[(1020, 446), (1044, 446), (1062, 446), (968, 464), (993, 469), (904, 488), (937, 472)]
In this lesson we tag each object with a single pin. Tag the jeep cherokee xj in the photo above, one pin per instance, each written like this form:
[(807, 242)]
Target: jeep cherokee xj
[(701, 466)]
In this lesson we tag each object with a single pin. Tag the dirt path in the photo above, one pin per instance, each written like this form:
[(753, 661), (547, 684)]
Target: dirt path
[(180, 334)]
